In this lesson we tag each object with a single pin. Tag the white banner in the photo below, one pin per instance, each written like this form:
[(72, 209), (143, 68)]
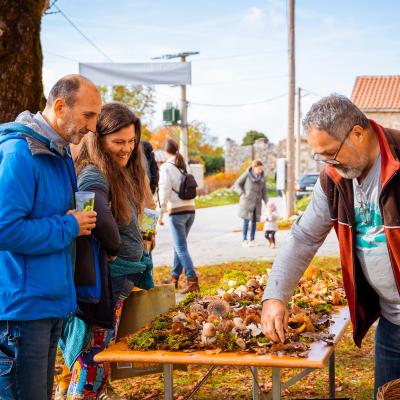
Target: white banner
[(113, 74)]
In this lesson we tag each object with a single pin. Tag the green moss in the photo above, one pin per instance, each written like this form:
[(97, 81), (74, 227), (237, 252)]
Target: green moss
[(177, 342), (239, 276), (226, 341), (162, 322), (188, 300), (143, 341), (302, 304), (323, 308), (245, 303)]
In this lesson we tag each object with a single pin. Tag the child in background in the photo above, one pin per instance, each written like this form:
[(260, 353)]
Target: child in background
[(271, 223)]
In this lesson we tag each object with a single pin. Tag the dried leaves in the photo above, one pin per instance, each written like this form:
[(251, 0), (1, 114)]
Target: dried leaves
[(231, 319)]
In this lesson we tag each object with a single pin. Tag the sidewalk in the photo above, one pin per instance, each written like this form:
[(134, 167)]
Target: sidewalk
[(212, 240)]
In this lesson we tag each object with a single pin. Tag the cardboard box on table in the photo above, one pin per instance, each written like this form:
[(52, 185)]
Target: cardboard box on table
[(141, 307)]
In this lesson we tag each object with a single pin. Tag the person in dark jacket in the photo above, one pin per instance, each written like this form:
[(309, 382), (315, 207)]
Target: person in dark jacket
[(252, 191), (151, 165), (38, 228), (109, 163)]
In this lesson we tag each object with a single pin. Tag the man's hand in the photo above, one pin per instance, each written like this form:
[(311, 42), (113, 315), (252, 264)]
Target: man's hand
[(86, 221), (160, 220), (274, 320)]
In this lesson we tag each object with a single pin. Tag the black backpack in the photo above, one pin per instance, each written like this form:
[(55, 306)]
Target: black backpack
[(187, 188)]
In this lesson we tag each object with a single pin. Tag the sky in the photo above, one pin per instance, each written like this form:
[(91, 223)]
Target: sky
[(240, 77)]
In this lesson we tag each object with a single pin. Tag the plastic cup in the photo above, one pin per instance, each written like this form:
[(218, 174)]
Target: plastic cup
[(84, 201)]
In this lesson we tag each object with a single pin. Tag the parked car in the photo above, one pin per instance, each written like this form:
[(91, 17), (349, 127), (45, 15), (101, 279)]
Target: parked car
[(306, 184)]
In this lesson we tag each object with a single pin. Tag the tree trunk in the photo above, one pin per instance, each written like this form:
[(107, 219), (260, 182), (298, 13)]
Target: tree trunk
[(21, 86)]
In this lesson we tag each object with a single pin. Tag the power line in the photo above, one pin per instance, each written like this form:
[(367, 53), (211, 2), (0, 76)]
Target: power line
[(311, 93), (82, 34), (240, 104), (239, 80), (241, 55), (60, 56)]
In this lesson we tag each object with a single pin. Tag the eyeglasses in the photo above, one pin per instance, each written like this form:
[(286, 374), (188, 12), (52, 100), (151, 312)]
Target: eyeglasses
[(332, 161)]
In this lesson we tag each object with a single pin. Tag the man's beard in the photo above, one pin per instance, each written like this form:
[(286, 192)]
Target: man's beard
[(73, 135), (348, 172)]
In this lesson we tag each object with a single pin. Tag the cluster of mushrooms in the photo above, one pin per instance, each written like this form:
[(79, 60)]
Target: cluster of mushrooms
[(230, 320)]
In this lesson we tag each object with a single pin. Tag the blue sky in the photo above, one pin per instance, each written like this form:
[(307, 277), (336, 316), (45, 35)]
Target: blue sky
[(243, 51)]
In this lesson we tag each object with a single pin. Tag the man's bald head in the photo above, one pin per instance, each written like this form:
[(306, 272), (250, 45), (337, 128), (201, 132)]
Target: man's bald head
[(67, 88)]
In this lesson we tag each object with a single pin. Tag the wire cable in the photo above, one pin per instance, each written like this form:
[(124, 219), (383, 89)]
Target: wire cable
[(240, 104), (81, 33), (238, 56), (238, 81)]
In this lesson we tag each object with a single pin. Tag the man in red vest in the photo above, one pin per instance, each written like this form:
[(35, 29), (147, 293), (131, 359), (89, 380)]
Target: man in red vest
[(358, 194)]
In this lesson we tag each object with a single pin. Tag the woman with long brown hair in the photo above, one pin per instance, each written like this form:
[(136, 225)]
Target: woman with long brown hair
[(181, 212), (109, 163)]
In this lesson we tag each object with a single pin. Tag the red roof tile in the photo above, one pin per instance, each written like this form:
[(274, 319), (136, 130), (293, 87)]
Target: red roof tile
[(377, 92)]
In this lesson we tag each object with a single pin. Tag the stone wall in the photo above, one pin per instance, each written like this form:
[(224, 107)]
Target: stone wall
[(267, 152), (236, 155), (386, 119)]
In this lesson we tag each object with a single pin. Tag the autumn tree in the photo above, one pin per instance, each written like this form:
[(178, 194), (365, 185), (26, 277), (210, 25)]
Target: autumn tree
[(203, 147), (21, 86)]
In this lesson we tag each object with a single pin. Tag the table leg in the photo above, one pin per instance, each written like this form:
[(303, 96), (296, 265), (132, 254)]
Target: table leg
[(332, 375), (256, 386), (168, 382), (276, 383)]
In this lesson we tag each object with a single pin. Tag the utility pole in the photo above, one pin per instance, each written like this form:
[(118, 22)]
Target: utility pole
[(184, 137), (290, 135), (298, 136)]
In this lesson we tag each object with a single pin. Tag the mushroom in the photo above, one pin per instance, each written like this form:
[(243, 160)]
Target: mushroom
[(218, 308), (208, 330), (241, 343), (239, 325), (252, 319), (226, 325), (180, 317), (255, 329), (177, 327)]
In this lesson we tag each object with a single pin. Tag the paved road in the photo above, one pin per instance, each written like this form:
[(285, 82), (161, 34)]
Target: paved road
[(213, 240)]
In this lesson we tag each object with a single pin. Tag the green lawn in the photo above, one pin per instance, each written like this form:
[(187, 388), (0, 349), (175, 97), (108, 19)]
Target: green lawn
[(223, 197)]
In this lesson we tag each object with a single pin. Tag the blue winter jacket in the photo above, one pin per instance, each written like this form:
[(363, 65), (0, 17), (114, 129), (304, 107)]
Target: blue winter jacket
[(36, 183)]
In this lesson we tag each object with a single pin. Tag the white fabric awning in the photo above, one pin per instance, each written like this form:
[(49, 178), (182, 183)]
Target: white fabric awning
[(172, 73)]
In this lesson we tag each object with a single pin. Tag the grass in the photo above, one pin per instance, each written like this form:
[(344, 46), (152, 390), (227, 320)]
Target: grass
[(220, 197), (354, 367)]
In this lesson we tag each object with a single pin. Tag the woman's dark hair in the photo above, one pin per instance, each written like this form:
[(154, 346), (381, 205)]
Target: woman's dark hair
[(128, 186), (171, 147)]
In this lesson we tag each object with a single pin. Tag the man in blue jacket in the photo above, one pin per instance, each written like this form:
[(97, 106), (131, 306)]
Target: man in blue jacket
[(38, 227)]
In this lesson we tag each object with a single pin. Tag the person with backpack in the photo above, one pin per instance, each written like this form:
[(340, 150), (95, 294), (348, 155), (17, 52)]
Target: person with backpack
[(177, 189)]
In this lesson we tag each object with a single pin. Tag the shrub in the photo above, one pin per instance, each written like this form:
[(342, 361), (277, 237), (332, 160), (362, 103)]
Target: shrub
[(213, 164), (219, 180)]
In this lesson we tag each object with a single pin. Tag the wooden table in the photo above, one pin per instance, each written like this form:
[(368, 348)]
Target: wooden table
[(319, 355)]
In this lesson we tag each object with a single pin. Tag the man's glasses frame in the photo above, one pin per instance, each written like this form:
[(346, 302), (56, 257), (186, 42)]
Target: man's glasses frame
[(332, 161)]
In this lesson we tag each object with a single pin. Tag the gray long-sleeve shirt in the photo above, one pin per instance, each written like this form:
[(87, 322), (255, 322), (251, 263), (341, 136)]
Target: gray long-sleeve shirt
[(310, 231), (305, 238)]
